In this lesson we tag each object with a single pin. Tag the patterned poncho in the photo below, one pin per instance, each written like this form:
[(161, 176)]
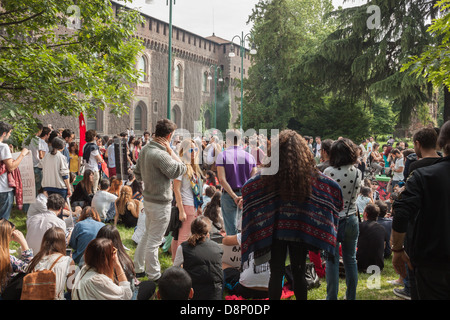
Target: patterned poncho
[(265, 216)]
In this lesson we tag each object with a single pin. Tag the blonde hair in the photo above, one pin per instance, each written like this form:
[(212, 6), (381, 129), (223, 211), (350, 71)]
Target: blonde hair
[(185, 157), (6, 230), (125, 196)]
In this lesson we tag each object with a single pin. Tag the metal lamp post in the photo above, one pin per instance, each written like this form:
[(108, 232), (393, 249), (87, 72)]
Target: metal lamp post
[(217, 69), (170, 3), (242, 39), (169, 75)]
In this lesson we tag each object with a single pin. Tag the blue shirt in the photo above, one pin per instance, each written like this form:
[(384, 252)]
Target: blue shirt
[(83, 233)]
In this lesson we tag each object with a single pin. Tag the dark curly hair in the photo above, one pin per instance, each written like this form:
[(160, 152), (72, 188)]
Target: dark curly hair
[(296, 167)]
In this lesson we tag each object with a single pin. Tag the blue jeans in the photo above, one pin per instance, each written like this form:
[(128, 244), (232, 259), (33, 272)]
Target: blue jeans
[(349, 259), (37, 178), (6, 203), (61, 192), (229, 209)]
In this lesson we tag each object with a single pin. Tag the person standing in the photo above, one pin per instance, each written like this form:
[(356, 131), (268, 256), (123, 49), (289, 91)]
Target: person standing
[(325, 155), (92, 157), (7, 165), (425, 141), (34, 149), (55, 170), (294, 210), (234, 167), (425, 205), (343, 156), (110, 153), (397, 168), (157, 165), (68, 136), (318, 149), (188, 192)]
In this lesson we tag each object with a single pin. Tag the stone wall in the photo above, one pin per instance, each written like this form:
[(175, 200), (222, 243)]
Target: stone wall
[(195, 54)]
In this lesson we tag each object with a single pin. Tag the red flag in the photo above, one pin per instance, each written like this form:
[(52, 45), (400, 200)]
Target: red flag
[(82, 124), (105, 169)]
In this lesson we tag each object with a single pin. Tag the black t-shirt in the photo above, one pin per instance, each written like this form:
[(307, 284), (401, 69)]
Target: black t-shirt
[(370, 250)]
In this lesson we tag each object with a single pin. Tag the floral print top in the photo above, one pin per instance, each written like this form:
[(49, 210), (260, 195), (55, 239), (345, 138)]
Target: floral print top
[(19, 264)]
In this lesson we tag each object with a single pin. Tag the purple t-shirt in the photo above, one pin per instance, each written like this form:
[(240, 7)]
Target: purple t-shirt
[(238, 165)]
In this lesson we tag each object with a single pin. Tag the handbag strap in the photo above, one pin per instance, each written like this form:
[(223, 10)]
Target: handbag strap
[(55, 262), (353, 191)]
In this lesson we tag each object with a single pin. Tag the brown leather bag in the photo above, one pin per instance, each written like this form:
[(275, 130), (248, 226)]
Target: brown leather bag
[(40, 285)]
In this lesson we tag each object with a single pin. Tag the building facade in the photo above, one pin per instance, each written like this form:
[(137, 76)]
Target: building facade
[(194, 60)]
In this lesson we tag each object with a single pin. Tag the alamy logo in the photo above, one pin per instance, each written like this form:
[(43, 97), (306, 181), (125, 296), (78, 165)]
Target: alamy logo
[(374, 21)]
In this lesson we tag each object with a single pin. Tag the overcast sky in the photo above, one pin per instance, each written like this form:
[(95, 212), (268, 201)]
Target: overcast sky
[(226, 18)]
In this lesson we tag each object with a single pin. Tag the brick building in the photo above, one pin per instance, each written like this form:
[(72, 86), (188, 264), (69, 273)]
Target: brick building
[(192, 97)]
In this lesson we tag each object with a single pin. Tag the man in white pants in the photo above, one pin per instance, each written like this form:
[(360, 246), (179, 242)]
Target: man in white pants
[(157, 165)]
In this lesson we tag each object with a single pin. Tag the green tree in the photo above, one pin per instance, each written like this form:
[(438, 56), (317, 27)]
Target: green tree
[(49, 64), (364, 56), (434, 63), (284, 31)]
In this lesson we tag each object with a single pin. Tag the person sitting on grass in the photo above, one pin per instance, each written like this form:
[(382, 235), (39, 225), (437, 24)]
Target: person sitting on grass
[(175, 284), (202, 259), (10, 265), (53, 251), (127, 208), (371, 240), (39, 223), (103, 199), (97, 279), (247, 283), (84, 231)]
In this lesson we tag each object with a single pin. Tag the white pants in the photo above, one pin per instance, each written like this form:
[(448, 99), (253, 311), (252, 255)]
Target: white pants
[(157, 217)]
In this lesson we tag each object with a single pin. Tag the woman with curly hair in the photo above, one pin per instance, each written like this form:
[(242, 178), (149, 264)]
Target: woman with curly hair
[(343, 157), (296, 210)]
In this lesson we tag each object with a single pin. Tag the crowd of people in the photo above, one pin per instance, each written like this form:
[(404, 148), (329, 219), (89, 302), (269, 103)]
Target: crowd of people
[(196, 196)]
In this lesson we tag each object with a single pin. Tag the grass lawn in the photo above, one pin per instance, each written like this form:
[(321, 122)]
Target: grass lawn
[(369, 287)]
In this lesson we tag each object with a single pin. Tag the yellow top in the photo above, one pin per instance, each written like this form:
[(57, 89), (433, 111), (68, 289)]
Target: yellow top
[(73, 162)]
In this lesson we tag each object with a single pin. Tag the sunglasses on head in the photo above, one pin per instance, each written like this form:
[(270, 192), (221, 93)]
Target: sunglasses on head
[(13, 226), (193, 150)]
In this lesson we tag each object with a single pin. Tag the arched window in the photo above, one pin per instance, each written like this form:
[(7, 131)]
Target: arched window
[(138, 118), (176, 116), (142, 66), (178, 76)]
